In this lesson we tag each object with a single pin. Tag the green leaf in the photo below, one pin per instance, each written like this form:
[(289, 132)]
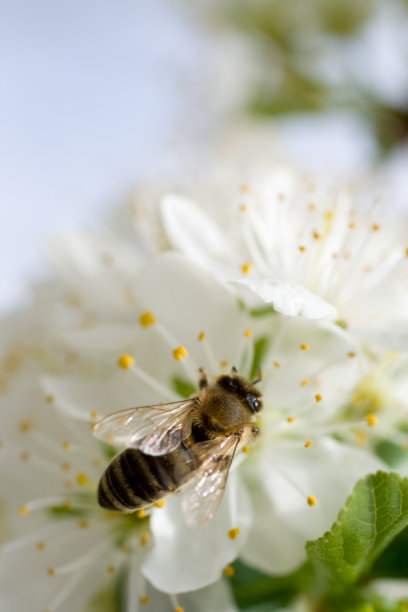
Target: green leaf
[(183, 387), (375, 513), (260, 347)]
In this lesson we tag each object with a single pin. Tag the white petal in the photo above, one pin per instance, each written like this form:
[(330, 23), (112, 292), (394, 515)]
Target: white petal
[(289, 298), (185, 558), (190, 230), (280, 483)]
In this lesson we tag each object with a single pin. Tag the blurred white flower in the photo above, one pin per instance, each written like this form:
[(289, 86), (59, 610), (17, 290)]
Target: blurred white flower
[(282, 241)]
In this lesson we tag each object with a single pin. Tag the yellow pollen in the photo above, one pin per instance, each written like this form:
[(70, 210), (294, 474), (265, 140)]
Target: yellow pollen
[(144, 600), (82, 479), (24, 456), (311, 500), (66, 446), (302, 249), (125, 362), (243, 208), (312, 207), (246, 448), (160, 503), (304, 382), (316, 235), (51, 571), (224, 363), (111, 569), (247, 333), (180, 353), (179, 609), (83, 524), (375, 227), (318, 397), (40, 545), (147, 319), (201, 336), (304, 347), (371, 419), (23, 511), (247, 267), (352, 225), (141, 514), (406, 252), (67, 504), (308, 444), (229, 571), (291, 419), (329, 215), (351, 354), (245, 189), (233, 533), (144, 538), (94, 415), (276, 364)]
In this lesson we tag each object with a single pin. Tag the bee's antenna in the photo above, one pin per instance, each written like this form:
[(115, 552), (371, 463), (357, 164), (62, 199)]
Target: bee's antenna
[(259, 379), (234, 369)]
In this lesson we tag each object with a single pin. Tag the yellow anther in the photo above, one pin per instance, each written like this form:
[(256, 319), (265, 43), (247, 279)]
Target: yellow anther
[(201, 336), (66, 446), (247, 333), (94, 415), (316, 235), (372, 419), (24, 456), (51, 571), (247, 267), (276, 364), (246, 448), (141, 514), (311, 500), (318, 397), (243, 208), (83, 524), (352, 225), (245, 189), (160, 503), (304, 347), (82, 479), (312, 207), (233, 533), (308, 444), (111, 569), (144, 600), (144, 538), (180, 353), (23, 511), (361, 438), (125, 362), (178, 609), (351, 354), (224, 363), (375, 227), (229, 571), (329, 214), (302, 249), (40, 545), (406, 252), (147, 319), (25, 427), (67, 504), (304, 382), (291, 419)]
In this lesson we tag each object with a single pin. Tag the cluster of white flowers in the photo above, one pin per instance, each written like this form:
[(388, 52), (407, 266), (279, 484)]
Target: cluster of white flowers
[(282, 277)]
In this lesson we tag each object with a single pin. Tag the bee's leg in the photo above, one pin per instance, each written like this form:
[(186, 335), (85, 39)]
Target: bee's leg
[(234, 370), (260, 377), (203, 382)]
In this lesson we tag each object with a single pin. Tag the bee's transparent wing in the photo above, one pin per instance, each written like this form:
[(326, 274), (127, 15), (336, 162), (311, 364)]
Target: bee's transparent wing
[(204, 492), (155, 430)]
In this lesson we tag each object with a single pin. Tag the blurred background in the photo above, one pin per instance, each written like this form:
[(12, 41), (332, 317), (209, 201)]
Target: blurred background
[(100, 95)]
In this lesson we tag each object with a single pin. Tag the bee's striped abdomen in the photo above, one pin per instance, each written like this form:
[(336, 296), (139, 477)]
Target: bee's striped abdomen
[(134, 480)]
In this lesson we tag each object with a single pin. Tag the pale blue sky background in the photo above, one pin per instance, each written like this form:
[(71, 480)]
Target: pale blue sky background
[(91, 94)]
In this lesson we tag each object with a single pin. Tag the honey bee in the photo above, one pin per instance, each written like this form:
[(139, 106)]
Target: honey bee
[(186, 446)]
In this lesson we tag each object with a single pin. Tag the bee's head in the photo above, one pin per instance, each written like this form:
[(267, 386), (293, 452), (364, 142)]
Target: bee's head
[(242, 389)]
